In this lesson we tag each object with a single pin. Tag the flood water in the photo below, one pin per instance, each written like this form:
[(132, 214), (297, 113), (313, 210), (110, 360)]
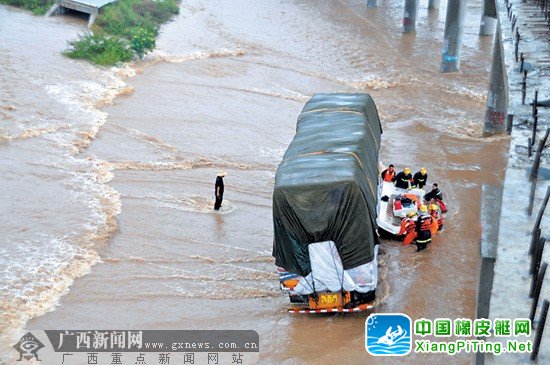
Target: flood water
[(107, 174)]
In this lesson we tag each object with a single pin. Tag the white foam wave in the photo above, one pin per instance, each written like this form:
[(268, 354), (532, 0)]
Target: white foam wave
[(159, 55), (291, 95), (272, 154), (35, 274), (38, 272), (373, 82), (188, 203), (198, 162)]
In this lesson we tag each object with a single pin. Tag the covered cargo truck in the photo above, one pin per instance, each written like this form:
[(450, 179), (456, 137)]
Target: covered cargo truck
[(324, 205)]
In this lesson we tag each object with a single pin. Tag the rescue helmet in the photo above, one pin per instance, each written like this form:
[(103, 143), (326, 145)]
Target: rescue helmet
[(406, 170), (434, 207), (411, 214), (423, 171), (423, 208)]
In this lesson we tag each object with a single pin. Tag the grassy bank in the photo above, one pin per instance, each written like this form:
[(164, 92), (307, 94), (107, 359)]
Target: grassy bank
[(123, 31), (38, 7)]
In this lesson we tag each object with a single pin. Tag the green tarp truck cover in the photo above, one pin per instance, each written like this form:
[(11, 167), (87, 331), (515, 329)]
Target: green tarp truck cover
[(326, 185)]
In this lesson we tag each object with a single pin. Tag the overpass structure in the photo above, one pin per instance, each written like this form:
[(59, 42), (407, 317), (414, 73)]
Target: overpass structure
[(84, 6), (513, 280)]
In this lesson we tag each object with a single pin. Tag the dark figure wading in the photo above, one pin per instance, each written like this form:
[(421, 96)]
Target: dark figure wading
[(423, 229), (218, 190)]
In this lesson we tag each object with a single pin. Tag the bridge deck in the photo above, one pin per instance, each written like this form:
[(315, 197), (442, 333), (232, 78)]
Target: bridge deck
[(91, 3), (84, 6)]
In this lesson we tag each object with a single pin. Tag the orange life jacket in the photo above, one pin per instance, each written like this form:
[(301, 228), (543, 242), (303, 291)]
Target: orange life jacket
[(388, 175), (436, 215), (425, 222), (408, 228), (435, 226), (424, 229), (409, 238), (413, 197), (408, 225)]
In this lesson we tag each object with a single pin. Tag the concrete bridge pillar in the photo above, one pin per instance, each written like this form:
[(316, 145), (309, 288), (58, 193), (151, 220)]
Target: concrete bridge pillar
[(452, 40), (497, 97), (55, 7), (92, 17), (488, 18), (409, 17), (433, 5)]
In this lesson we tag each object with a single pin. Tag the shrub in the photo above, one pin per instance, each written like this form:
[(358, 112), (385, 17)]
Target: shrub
[(101, 49), (38, 7), (142, 40), (136, 21)]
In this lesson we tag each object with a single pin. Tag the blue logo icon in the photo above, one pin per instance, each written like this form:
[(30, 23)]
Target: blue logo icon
[(388, 334)]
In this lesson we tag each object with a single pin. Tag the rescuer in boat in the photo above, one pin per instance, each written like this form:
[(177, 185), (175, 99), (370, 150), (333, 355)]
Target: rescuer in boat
[(403, 179), (420, 178), (388, 174), (435, 195), (435, 212), (423, 229), (408, 228)]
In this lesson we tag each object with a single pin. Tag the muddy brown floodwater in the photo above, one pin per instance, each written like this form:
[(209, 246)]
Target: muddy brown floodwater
[(223, 91)]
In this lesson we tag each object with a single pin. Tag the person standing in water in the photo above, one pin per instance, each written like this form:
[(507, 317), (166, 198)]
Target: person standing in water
[(218, 190), (424, 225)]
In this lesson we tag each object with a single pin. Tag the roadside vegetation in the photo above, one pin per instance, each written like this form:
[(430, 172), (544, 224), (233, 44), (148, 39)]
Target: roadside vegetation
[(123, 31), (38, 7)]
